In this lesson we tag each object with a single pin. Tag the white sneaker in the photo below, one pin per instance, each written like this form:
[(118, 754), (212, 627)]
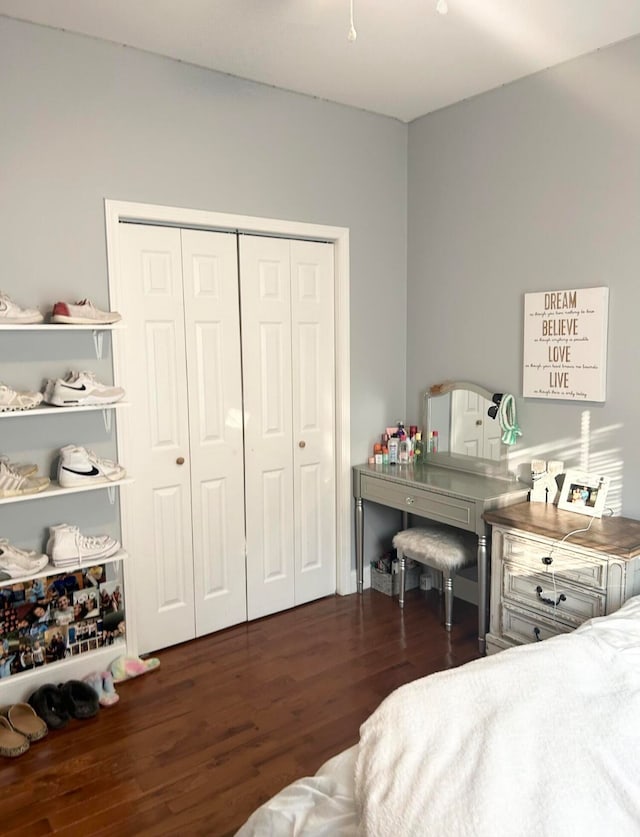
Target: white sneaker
[(49, 384), (25, 469), (83, 388), (66, 545), (13, 483), (79, 466), (12, 400), (20, 562), (12, 313), (83, 312)]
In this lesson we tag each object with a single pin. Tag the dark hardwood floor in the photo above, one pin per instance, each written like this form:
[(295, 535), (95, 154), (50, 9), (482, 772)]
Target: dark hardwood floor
[(228, 720)]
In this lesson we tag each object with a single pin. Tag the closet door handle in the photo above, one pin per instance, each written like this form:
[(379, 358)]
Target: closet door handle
[(180, 460), (302, 444)]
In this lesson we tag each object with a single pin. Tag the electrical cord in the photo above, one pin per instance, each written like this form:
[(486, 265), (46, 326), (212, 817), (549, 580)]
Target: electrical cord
[(548, 559)]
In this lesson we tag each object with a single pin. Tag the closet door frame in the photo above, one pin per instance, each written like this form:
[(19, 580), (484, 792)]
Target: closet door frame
[(119, 211)]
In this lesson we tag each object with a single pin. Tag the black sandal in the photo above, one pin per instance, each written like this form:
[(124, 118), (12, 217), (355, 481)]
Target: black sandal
[(49, 704), (80, 699)]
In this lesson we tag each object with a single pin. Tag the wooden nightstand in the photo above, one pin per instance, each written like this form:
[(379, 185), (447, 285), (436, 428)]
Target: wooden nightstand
[(542, 585)]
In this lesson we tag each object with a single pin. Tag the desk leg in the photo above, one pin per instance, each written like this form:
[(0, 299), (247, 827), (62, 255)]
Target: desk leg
[(482, 592), (359, 544)]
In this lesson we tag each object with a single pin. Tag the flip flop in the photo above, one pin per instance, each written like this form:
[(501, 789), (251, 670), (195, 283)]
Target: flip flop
[(25, 721), (126, 668), (12, 744)]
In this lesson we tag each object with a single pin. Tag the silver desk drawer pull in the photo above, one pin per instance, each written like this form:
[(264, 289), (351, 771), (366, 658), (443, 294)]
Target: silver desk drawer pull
[(410, 501)]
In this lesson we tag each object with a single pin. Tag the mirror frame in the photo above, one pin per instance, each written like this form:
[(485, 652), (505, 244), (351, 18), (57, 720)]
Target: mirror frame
[(475, 465)]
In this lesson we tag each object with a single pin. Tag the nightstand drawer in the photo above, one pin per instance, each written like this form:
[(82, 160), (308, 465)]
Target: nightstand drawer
[(575, 566), (528, 627), (549, 594)]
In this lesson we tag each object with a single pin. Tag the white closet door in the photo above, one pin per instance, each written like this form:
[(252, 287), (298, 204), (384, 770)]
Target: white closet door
[(313, 376), (159, 539), (266, 352), (212, 326), (287, 291)]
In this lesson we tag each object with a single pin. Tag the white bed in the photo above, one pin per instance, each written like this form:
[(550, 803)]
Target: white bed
[(538, 741)]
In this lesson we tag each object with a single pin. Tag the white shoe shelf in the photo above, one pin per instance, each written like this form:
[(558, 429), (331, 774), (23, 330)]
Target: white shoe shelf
[(56, 490), (52, 569), (97, 330), (82, 657), (50, 410)]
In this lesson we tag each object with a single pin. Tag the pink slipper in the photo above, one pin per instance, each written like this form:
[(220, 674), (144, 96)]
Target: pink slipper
[(125, 668)]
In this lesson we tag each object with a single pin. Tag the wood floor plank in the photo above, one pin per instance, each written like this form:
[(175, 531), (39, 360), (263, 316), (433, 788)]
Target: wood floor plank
[(228, 720)]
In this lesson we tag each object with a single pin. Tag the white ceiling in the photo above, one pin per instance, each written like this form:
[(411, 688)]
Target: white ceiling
[(407, 59)]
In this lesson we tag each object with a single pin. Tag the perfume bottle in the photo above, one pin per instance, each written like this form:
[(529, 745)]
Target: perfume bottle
[(418, 450)]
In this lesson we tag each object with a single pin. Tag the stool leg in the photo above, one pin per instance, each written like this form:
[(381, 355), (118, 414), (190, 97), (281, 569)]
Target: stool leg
[(448, 599), (401, 579)]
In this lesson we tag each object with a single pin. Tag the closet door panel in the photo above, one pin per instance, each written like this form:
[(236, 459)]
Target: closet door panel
[(266, 352), (313, 418), (214, 374), (157, 435), (171, 583)]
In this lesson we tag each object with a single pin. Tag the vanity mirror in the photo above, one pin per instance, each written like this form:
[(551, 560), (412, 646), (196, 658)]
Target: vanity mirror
[(462, 428)]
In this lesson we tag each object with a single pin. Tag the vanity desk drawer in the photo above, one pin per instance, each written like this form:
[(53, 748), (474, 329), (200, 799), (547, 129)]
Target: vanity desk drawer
[(420, 501)]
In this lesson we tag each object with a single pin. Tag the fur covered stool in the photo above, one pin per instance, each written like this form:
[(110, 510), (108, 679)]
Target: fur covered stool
[(442, 547)]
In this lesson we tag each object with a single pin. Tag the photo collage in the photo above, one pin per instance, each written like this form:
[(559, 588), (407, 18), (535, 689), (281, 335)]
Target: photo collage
[(44, 620)]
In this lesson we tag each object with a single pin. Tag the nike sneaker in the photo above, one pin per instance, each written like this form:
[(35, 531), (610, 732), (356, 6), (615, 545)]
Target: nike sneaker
[(13, 483), (11, 313), (20, 562), (79, 466), (12, 400), (83, 312), (50, 383), (82, 388), (67, 545)]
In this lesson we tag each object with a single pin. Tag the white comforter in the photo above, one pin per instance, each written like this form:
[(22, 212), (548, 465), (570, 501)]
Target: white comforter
[(315, 806), (538, 740)]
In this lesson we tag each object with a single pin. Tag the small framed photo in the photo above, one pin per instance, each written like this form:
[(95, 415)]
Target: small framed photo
[(583, 493)]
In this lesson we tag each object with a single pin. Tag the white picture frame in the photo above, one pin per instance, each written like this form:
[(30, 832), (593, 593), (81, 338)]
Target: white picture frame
[(583, 493)]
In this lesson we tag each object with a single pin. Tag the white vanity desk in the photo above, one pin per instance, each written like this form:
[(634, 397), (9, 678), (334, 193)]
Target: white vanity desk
[(464, 477), (441, 494)]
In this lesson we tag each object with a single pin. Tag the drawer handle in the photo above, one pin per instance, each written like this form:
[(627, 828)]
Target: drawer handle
[(547, 560), (410, 501), (561, 598), (536, 633)]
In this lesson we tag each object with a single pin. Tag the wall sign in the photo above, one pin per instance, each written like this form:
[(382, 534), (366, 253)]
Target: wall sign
[(565, 344)]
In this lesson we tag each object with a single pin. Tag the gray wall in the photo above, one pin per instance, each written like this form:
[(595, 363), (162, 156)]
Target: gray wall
[(532, 187), (83, 120)]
